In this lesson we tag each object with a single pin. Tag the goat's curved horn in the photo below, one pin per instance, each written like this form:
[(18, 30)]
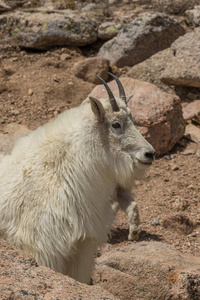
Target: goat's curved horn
[(121, 89), (113, 101)]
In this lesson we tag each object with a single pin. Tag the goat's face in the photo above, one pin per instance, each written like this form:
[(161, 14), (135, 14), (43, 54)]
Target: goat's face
[(122, 138)]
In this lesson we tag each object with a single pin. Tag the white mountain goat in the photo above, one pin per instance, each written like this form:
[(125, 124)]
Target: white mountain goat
[(56, 185)]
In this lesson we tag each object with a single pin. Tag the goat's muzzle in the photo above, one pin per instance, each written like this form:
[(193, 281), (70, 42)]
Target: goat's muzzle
[(146, 156)]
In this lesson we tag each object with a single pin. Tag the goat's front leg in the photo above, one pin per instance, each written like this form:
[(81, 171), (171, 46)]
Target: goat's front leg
[(81, 263), (124, 199)]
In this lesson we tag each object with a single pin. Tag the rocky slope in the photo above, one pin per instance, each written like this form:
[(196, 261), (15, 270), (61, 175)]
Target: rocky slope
[(50, 52)]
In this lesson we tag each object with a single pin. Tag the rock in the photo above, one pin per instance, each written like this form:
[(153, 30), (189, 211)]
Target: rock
[(191, 187), (155, 221), (89, 7), (4, 7), (22, 278), (167, 157), (15, 3), (88, 68), (62, 4), (192, 96), (192, 111), (174, 167), (192, 132), (183, 68), (188, 152), (108, 30), (194, 16), (30, 92), (14, 112), (174, 7), (141, 38), (65, 56), (13, 132), (150, 69), (158, 115), (43, 31), (180, 204), (148, 271), (179, 222), (198, 153), (111, 2)]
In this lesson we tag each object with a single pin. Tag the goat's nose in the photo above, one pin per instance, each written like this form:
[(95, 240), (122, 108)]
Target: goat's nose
[(150, 154)]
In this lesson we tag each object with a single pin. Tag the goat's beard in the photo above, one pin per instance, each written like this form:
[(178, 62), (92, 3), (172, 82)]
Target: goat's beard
[(128, 170), (140, 169)]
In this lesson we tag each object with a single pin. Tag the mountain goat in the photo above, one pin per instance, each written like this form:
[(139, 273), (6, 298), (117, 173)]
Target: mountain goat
[(56, 185)]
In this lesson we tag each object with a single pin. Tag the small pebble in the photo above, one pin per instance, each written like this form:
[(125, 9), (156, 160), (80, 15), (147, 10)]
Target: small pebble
[(89, 7), (191, 187), (155, 222), (174, 167), (188, 152), (166, 179), (56, 79), (65, 56), (14, 112), (198, 153), (167, 157), (30, 92)]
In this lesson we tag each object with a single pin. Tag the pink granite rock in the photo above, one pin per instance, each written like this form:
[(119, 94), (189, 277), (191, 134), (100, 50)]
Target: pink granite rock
[(149, 270), (22, 278)]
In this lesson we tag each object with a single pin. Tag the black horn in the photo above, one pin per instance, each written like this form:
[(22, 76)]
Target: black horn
[(110, 94), (121, 89)]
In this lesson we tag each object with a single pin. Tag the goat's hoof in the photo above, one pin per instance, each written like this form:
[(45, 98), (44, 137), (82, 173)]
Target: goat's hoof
[(133, 236)]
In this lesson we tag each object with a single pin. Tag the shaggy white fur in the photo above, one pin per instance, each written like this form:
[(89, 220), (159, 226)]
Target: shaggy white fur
[(56, 185)]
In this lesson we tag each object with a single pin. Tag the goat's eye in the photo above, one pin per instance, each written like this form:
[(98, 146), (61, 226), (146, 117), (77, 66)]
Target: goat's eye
[(116, 125)]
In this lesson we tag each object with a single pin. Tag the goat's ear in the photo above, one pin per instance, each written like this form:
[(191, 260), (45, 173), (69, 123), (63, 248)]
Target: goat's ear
[(97, 108)]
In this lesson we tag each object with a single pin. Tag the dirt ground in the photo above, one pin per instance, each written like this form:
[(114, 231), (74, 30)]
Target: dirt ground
[(35, 87)]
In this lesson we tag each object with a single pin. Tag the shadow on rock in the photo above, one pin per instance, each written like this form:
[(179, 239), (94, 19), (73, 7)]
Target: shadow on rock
[(121, 235)]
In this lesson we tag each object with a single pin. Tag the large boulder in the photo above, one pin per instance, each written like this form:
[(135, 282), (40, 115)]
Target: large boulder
[(149, 271), (22, 278), (183, 68), (150, 69), (158, 115), (43, 31), (141, 38)]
